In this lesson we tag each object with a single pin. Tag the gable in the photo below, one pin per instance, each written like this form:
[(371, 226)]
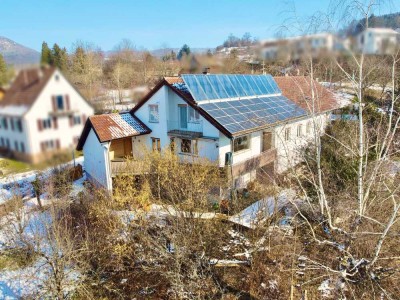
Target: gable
[(57, 84)]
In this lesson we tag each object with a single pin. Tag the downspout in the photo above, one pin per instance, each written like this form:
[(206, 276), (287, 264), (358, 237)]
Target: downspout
[(108, 166)]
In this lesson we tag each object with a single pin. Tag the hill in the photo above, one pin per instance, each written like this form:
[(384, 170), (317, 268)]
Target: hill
[(384, 21), (17, 54)]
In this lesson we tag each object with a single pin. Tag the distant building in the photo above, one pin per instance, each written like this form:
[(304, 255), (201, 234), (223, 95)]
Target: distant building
[(294, 48), (41, 113), (378, 41)]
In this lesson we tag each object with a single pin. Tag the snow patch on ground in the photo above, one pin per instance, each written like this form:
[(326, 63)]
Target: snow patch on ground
[(256, 213)]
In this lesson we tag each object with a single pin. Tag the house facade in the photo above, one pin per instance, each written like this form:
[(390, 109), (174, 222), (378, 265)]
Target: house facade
[(241, 122), (40, 115), (378, 41)]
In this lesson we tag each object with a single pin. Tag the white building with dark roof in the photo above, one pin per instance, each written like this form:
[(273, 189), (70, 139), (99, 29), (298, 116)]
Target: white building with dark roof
[(40, 115), (243, 122)]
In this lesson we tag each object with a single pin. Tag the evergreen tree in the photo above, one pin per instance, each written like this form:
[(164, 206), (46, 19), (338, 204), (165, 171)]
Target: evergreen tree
[(60, 57), (46, 57), (4, 72), (185, 51)]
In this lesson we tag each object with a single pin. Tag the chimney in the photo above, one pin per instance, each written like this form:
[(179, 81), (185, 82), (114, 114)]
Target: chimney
[(206, 71)]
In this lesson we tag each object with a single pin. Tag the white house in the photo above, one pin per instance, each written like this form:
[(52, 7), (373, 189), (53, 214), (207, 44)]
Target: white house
[(41, 114), (378, 41), (295, 47), (244, 122)]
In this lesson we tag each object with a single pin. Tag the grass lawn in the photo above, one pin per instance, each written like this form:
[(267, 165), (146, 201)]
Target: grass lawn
[(11, 166)]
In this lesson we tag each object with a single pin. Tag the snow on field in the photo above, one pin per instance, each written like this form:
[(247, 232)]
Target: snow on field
[(256, 213), (27, 281), (20, 183)]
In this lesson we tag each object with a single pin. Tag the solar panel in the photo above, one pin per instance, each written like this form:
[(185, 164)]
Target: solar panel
[(246, 114), (217, 87)]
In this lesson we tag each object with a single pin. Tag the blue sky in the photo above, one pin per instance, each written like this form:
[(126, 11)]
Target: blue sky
[(149, 23)]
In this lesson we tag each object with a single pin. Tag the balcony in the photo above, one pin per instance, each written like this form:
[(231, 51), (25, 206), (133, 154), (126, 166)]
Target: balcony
[(190, 131), (254, 162), (122, 166)]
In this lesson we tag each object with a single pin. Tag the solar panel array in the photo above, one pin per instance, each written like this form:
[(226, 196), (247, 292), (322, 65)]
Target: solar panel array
[(245, 114), (133, 122), (214, 87)]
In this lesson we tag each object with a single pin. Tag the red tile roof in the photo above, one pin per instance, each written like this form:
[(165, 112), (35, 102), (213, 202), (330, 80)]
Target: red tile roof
[(27, 86), (172, 80), (298, 89), (115, 126)]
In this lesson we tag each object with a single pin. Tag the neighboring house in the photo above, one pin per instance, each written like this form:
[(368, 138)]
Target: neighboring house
[(293, 48), (41, 113), (378, 41), (244, 122)]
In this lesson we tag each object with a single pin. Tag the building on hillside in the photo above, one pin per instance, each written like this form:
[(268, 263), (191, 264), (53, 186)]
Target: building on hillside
[(378, 41), (200, 63), (41, 114), (245, 122), (294, 48)]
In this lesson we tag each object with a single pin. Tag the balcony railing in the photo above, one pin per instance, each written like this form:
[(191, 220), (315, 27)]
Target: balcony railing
[(254, 162), (127, 167), (191, 130)]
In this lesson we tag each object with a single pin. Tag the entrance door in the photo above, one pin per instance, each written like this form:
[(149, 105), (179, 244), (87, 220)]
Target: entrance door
[(183, 116), (267, 141)]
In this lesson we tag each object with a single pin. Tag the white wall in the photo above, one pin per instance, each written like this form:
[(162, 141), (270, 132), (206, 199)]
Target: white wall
[(15, 135), (289, 153), (96, 161), (168, 102), (42, 108)]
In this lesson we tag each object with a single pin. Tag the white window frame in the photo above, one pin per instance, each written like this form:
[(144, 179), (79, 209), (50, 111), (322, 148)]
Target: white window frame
[(299, 130), (239, 141), (154, 116), (287, 133), (193, 115)]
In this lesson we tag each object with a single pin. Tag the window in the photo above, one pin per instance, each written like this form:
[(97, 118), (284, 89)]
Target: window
[(8, 143), (4, 123), (46, 123), (194, 116), (287, 134), (60, 102), (299, 130), (308, 128), (155, 144), (2, 142), (241, 143), (16, 146), (12, 124), (153, 113), (189, 146), (22, 147), (77, 120), (19, 125)]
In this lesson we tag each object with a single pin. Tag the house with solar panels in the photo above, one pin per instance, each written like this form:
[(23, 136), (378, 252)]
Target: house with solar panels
[(242, 122)]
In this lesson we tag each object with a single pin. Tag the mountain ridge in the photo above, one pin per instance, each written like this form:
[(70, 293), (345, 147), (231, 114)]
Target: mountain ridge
[(17, 54)]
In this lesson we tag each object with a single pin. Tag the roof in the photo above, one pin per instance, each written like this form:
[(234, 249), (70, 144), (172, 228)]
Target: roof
[(381, 30), (113, 126), (27, 86), (298, 89), (234, 104)]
